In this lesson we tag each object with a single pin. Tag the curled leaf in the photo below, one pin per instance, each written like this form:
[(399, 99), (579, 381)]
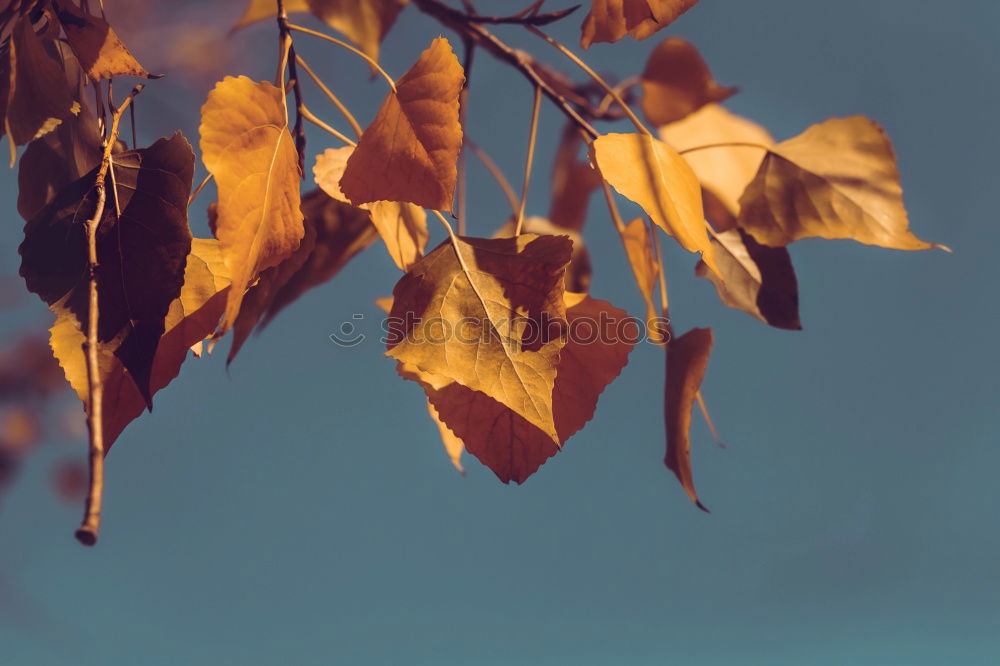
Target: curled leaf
[(687, 360)]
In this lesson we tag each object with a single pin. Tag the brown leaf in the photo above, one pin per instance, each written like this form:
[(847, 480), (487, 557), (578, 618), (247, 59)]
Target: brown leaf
[(141, 250), (687, 360), (755, 278), (192, 316), (36, 98), (402, 226), (96, 45), (676, 82), (611, 20), (246, 146), (578, 273), (410, 151), (506, 442), (725, 171), (490, 320), (645, 269), (453, 446), (650, 173), (573, 181), (838, 179)]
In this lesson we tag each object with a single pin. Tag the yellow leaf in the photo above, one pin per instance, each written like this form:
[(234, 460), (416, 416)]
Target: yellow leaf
[(611, 20), (402, 226), (725, 171), (838, 179), (452, 443), (490, 320), (410, 151), (96, 45), (246, 146), (652, 174), (258, 10), (645, 269), (677, 82), (687, 360)]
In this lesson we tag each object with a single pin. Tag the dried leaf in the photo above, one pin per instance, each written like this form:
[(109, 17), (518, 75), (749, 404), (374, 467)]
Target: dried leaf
[(140, 252), (192, 316), (402, 226), (687, 360), (578, 273), (755, 278), (490, 321), (246, 146), (505, 441), (645, 269), (676, 82), (611, 20), (725, 171), (410, 151), (650, 173), (573, 181), (838, 179), (96, 45)]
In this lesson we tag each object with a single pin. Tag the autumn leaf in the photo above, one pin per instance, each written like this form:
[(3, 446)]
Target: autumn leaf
[(838, 179), (489, 319), (96, 45), (724, 170), (687, 360), (645, 269), (410, 151), (143, 240), (35, 97), (192, 316), (573, 181), (402, 226), (365, 22), (676, 82), (578, 273), (611, 20), (505, 441), (652, 174), (246, 146), (755, 278), (453, 446)]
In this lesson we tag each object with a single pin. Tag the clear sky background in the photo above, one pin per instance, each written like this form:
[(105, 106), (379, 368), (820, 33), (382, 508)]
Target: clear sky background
[(300, 510)]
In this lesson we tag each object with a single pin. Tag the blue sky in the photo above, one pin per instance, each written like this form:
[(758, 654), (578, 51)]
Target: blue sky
[(300, 509)]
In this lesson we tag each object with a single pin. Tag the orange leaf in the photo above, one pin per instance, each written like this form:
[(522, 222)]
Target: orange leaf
[(645, 269), (676, 82), (687, 360), (96, 45), (410, 151), (573, 181), (611, 20), (246, 146), (838, 179)]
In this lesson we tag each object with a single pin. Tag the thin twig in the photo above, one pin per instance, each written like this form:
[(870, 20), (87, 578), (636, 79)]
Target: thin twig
[(345, 45), (524, 17), (198, 189), (91, 525), (311, 117), (725, 144), (532, 134), (329, 93), (497, 174), (463, 111)]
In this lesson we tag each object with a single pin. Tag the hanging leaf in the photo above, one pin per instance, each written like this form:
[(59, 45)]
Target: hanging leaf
[(506, 442), (96, 45), (611, 20), (724, 170), (755, 278), (410, 151), (192, 316), (838, 179), (645, 269), (578, 273), (676, 82), (650, 173), (143, 241), (573, 181), (491, 321), (246, 146), (402, 226), (687, 360)]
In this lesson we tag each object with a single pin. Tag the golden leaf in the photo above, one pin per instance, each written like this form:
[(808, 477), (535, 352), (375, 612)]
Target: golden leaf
[(838, 179), (676, 82), (402, 226), (645, 269), (96, 45), (453, 445), (578, 273), (410, 151), (650, 173), (611, 20), (687, 360), (489, 319), (246, 146)]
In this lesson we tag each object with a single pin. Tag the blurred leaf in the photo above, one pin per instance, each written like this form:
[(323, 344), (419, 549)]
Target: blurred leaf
[(611, 20), (687, 360), (96, 45), (676, 82)]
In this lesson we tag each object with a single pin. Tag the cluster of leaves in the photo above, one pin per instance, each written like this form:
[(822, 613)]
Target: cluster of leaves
[(108, 244)]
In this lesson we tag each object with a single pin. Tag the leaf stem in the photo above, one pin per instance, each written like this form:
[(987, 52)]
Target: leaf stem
[(329, 93), (311, 117), (497, 174), (91, 524), (345, 45), (532, 135), (725, 144), (198, 189)]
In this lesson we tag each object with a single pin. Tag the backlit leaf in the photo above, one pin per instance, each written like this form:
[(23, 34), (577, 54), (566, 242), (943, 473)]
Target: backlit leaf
[(96, 45), (246, 146), (838, 179), (676, 82), (611, 20), (652, 174), (687, 360), (410, 151)]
